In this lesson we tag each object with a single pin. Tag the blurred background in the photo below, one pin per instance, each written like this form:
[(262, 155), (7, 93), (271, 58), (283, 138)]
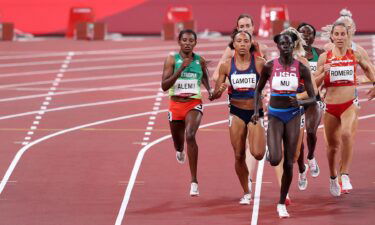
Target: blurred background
[(146, 17)]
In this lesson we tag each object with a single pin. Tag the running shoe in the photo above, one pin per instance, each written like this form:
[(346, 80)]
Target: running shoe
[(281, 209), (302, 179), (346, 185), (334, 187), (314, 168), (194, 191), (180, 156), (245, 200)]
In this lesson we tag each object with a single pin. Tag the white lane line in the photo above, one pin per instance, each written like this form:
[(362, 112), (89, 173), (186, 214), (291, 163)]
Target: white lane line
[(27, 146), (116, 51), (108, 88), (258, 186), (91, 78), (80, 69), (150, 123), (137, 165), (102, 59), (43, 108), (77, 106)]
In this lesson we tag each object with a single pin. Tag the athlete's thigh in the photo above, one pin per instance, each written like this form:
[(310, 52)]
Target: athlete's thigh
[(237, 132), (313, 117), (178, 132), (192, 120), (291, 136), (332, 129), (349, 119), (275, 132)]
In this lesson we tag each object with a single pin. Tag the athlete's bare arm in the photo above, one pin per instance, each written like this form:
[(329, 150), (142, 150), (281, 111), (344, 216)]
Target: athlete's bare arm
[(220, 85), (169, 78)]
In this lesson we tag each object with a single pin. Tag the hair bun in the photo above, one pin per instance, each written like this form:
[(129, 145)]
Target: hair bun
[(345, 12)]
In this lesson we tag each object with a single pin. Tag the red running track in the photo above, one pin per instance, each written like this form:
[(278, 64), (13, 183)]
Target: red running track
[(74, 125)]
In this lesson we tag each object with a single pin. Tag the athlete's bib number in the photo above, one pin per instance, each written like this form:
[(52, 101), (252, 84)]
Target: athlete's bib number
[(285, 83), (243, 81), (341, 73), (182, 87)]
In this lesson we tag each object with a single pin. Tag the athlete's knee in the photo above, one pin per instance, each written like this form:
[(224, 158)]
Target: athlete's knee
[(258, 155), (346, 135), (333, 148), (240, 156), (275, 161), (190, 136)]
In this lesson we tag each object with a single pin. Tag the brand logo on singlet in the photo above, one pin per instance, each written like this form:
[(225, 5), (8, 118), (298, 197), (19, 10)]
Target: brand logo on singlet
[(341, 73), (240, 81)]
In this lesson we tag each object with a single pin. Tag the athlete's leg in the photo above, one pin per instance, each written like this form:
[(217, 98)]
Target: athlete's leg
[(313, 117), (301, 161), (238, 134), (192, 121), (332, 133), (178, 134), (257, 140), (348, 128), (290, 140), (275, 133)]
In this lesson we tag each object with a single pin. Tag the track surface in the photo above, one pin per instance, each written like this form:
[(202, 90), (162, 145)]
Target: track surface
[(84, 140)]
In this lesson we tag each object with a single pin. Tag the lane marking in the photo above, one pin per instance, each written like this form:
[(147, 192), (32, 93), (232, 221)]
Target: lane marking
[(43, 108), (137, 165), (151, 123), (108, 88), (102, 59), (91, 78), (20, 152), (258, 186), (116, 51)]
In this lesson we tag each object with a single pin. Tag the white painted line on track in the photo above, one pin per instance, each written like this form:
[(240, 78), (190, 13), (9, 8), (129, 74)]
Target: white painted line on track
[(115, 51), (77, 106), (258, 185), (137, 165), (43, 108), (92, 68), (151, 123), (102, 59), (28, 145), (91, 78), (108, 88)]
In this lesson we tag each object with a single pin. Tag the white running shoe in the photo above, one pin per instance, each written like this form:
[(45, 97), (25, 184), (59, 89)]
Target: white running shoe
[(180, 156), (334, 187), (314, 168), (245, 200), (281, 209), (194, 191), (302, 179), (346, 185)]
